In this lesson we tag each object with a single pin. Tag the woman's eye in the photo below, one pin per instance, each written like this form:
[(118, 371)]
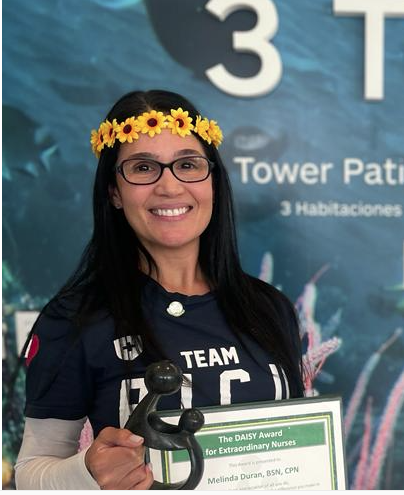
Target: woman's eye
[(187, 165), (144, 167)]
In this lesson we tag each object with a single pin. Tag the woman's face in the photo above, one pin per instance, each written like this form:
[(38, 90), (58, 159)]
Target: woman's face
[(168, 213)]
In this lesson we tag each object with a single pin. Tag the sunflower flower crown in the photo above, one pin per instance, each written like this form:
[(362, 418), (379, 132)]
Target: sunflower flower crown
[(152, 123)]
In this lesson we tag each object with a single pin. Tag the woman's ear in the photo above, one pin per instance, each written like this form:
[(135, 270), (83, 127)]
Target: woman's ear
[(115, 197)]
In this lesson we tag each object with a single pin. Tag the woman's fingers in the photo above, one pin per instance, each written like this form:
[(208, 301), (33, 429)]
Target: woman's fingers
[(147, 481), (140, 478), (118, 436), (115, 454)]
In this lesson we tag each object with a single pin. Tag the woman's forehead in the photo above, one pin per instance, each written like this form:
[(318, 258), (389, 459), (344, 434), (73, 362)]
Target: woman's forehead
[(164, 146)]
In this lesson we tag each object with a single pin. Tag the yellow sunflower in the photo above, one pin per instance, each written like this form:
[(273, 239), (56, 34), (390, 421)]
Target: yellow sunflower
[(127, 130), (202, 127), (179, 122), (108, 132), (152, 122), (215, 133), (97, 142)]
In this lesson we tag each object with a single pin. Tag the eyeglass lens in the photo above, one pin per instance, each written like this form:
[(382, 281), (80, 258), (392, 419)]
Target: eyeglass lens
[(146, 171)]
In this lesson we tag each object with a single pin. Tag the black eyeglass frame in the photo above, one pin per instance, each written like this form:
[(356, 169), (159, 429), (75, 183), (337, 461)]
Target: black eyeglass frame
[(119, 169)]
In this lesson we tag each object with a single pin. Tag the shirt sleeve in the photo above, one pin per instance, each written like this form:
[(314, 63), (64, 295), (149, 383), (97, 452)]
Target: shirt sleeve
[(58, 382), (48, 458)]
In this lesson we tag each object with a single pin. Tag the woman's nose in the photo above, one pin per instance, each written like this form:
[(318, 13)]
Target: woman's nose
[(168, 184)]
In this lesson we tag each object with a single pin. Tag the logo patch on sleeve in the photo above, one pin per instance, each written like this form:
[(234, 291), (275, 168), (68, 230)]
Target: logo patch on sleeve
[(32, 349)]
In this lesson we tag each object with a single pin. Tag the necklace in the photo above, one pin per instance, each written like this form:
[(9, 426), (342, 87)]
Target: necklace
[(175, 309)]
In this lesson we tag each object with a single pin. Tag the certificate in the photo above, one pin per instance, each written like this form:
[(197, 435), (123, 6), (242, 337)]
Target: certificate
[(294, 444)]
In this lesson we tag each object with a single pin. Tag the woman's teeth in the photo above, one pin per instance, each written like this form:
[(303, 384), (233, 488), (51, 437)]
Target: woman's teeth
[(170, 213)]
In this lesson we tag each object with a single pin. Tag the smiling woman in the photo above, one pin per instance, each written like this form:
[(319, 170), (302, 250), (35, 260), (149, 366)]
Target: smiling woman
[(159, 279), (165, 190)]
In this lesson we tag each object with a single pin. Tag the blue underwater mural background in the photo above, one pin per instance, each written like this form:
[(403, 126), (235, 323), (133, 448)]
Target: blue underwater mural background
[(335, 246)]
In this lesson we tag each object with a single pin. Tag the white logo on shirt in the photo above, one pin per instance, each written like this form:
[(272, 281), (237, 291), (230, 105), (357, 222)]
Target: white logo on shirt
[(126, 348)]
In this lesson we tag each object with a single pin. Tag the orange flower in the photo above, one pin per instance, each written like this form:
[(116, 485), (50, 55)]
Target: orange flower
[(97, 142), (179, 122), (152, 122), (108, 132), (128, 130), (202, 127), (215, 133)]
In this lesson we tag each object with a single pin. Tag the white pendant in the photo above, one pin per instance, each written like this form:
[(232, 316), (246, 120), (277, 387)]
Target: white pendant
[(175, 309)]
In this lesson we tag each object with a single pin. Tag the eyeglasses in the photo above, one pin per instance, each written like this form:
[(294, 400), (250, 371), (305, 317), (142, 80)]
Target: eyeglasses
[(142, 171)]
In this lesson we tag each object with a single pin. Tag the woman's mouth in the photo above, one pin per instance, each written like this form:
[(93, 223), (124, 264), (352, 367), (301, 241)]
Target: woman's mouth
[(170, 212)]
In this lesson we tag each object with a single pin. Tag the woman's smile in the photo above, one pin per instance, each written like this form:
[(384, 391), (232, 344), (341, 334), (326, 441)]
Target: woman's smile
[(171, 213)]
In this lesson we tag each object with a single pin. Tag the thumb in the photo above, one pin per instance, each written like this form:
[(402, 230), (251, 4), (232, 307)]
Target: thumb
[(110, 436)]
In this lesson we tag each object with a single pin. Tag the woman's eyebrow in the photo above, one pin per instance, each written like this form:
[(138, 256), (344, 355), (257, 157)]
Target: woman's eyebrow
[(187, 151), (153, 156), (143, 154)]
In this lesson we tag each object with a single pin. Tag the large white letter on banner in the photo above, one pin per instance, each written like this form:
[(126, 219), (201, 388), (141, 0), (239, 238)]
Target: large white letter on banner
[(255, 41), (374, 12)]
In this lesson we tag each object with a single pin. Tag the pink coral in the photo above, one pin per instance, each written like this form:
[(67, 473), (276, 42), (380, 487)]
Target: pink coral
[(385, 432), (361, 467)]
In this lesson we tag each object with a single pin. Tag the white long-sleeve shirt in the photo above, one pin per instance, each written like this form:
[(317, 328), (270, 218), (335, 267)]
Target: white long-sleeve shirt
[(48, 458)]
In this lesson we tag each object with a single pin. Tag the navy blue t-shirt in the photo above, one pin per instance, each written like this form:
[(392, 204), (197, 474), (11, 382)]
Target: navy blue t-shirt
[(72, 376)]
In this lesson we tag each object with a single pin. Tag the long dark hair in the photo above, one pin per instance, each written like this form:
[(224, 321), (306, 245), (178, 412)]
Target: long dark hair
[(108, 276)]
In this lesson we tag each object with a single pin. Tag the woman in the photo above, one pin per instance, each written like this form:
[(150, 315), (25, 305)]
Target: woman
[(160, 278)]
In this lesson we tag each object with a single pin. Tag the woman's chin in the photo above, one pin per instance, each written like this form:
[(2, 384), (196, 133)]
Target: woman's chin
[(175, 242)]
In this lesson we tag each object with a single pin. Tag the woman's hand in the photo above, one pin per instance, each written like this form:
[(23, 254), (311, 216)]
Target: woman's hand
[(116, 461)]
